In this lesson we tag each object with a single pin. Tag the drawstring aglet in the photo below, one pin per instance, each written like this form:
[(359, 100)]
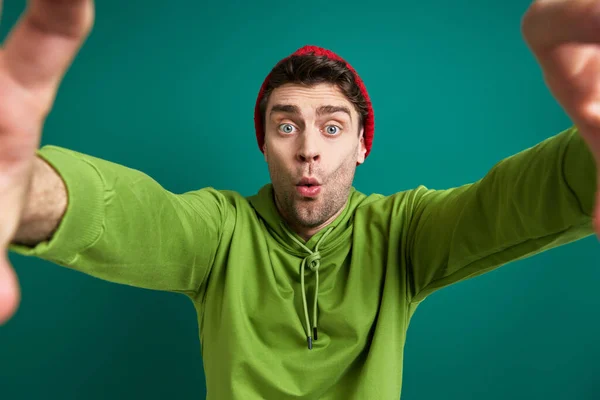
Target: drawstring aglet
[(310, 339)]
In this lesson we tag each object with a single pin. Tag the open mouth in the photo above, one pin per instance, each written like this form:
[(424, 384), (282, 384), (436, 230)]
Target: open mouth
[(308, 189), (309, 182)]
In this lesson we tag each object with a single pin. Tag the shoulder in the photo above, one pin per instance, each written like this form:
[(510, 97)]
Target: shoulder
[(217, 197), (388, 204)]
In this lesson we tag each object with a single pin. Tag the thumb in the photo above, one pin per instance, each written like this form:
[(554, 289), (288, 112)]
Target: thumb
[(9, 290)]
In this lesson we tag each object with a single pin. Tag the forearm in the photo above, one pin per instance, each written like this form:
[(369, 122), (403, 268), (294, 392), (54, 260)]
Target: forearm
[(45, 206)]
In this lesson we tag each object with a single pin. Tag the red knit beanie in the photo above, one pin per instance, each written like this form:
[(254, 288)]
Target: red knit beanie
[(369, 123)]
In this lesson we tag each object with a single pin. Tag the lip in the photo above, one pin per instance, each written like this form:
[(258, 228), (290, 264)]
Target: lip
[(308, 191), (308, 187), (309, 181)]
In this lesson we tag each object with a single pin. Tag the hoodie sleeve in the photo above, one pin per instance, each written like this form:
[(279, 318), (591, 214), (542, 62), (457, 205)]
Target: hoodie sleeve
[(122, 226), (540, 198)]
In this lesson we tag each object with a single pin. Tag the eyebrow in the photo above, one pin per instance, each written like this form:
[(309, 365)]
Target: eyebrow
[(322, 110)]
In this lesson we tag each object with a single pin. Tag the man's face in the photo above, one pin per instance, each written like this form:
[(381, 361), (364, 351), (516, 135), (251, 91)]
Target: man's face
[(312, 147)]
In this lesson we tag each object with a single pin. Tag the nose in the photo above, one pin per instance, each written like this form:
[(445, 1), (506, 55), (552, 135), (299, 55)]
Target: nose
[(309, 149)]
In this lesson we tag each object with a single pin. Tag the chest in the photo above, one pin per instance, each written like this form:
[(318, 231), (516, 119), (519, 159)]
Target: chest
[(261, 291)]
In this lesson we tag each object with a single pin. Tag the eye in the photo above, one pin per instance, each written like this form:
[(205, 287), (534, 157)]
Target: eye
[(286, 128), (332, 129)]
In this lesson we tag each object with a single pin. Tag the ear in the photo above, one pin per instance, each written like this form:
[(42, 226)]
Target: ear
[(264, 149), (361, 148)]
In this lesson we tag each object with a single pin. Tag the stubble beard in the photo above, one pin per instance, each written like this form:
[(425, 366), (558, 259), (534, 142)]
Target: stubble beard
[(312, 213)]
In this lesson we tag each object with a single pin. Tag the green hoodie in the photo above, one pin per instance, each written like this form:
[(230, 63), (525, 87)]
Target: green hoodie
[(259, 289)]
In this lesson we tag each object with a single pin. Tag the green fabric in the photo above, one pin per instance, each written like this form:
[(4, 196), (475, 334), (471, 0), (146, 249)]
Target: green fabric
[(243, 268)]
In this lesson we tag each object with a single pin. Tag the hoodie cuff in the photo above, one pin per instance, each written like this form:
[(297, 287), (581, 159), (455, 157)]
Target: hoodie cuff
[(81, 224), (580, 171)]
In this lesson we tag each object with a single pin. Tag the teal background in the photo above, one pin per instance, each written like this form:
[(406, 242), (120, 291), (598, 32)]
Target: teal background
[(169, 88)]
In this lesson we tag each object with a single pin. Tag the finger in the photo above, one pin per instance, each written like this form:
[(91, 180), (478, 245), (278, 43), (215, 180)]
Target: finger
[(548, 23), (43, 44), (9, 290)]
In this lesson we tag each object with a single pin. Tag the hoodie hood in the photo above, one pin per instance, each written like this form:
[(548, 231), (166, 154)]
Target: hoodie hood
[(311, 252)]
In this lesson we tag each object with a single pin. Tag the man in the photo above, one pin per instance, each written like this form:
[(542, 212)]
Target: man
[(306, 289)]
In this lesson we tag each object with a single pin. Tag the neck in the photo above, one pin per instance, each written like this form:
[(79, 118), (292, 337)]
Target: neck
[(306, 232)]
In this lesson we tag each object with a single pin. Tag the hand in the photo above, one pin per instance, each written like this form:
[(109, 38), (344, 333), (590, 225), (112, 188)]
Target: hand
[(564, 36), (33, 61)]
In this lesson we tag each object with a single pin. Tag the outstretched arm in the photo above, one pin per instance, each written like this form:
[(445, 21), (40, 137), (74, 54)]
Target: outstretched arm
[(120, 225), (540, 198)]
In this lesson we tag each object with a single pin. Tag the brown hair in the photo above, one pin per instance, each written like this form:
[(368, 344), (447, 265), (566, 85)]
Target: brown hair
[(309, 70)]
